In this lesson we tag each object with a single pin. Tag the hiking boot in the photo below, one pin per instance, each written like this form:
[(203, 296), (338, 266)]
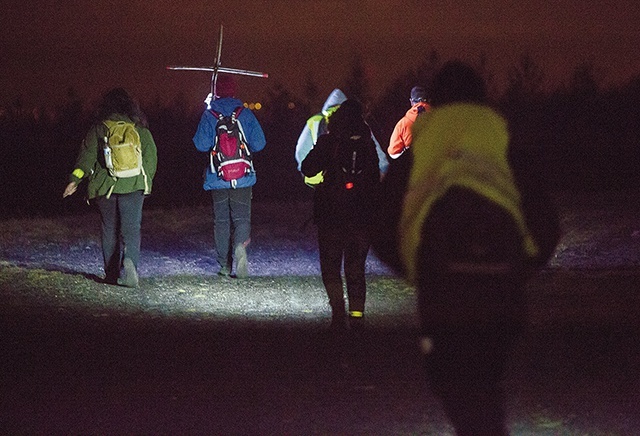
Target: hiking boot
[(224, 271), (242, 264), (110, 279), (338, 322), (338, 318), (130, 279)]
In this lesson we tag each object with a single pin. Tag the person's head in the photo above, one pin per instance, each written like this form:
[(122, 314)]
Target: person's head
[(457, 81), (226, 86), (418, 94), (119, 101), (348, 117)]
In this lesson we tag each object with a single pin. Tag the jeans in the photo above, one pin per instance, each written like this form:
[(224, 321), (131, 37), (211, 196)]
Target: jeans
[(231, 221), (121, 220), (352, 244)]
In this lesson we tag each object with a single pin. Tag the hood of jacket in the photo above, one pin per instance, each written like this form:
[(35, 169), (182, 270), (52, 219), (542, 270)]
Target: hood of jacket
[(335, 98), (225, 105)]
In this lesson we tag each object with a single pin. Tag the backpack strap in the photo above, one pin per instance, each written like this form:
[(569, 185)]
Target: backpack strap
[(219, 115), (216, 114), (243, 137)]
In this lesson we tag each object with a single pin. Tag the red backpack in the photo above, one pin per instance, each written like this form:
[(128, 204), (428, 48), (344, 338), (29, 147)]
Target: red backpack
[(230, 157)]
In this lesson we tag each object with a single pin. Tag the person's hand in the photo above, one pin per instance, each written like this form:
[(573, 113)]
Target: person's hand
[(207, 100), (70, 189)]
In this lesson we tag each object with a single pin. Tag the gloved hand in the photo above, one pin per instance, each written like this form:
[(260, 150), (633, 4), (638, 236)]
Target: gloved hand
[(207, 100)]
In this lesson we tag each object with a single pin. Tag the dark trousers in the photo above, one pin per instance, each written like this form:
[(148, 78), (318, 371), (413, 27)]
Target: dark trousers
[(231, 221), (474, 323), (352, 245), (472, 306), (121, 220)]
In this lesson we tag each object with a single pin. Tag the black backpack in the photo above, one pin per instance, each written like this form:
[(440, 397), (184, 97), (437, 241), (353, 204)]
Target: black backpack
[(354, 171), (230, 157)]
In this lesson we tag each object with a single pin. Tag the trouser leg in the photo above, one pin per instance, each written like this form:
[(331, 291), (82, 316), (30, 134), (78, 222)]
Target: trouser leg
[(465, 370), (110, 236), (130, 211), (355, 257), (330, 248), (222, 226), (473, 322), (240, 213)]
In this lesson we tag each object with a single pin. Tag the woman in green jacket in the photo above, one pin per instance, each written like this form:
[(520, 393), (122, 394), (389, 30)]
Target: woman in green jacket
[(118, 195)]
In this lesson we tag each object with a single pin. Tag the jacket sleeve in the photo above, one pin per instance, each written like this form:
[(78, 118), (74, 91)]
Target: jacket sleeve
[(398, 141), (383, 162), (304, 145), (149, 153), (87, 157), (203, 139), (252, 130)]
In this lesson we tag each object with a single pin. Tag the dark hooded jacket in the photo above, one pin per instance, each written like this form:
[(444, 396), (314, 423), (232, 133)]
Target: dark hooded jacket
[(334, 204)]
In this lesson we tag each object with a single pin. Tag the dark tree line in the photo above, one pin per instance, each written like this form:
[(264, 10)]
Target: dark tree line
[(579, 136)]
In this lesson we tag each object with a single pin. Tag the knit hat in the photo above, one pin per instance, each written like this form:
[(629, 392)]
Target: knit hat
[(418, 94), (226, 86), (457, 82)]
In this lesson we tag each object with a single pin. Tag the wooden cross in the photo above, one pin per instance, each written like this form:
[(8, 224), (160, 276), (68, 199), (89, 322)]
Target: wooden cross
[(217, 68)]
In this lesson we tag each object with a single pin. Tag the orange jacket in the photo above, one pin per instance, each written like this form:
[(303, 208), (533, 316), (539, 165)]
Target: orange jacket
[(401, 137)]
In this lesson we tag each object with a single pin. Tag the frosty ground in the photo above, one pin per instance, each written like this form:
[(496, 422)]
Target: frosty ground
[(189, 352)]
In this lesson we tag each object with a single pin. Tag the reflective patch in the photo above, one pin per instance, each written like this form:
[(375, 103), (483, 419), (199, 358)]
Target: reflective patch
[(78, 173), (315, 180)]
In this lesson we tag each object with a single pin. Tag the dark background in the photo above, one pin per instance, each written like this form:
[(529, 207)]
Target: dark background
[(579, 136)]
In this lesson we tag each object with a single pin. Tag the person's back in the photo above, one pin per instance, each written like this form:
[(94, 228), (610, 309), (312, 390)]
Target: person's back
[(344, 207), (347, 157), (231, 196), (468, 236), (316, 126), (118, 189)]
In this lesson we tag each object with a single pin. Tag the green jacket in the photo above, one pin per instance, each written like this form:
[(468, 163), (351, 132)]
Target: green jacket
[(91, 165)]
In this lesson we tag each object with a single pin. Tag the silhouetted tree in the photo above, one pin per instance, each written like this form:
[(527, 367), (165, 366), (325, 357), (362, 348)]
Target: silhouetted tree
[(524, 83), (311, 92), (584, 82), (357, 84), (282, 120)]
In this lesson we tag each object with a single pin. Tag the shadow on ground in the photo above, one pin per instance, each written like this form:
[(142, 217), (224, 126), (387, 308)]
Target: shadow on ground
[(135, 376)]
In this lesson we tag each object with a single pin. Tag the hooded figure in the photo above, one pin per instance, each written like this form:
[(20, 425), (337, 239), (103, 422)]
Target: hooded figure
[(344, 207), (318, 125)]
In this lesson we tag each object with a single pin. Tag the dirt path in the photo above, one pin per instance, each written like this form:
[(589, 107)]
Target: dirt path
[(192, 353)]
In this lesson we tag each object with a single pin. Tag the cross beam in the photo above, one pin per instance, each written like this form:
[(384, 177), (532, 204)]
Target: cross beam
[(217, 68), (220, 70)]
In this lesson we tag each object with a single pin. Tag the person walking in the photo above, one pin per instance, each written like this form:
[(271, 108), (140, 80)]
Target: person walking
[(345, 208), (470, 231), (231, 196), (119, 196), (401, 137), (316, 126)]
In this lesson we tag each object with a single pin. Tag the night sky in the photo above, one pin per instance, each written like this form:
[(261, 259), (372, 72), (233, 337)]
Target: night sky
[(48, 46)]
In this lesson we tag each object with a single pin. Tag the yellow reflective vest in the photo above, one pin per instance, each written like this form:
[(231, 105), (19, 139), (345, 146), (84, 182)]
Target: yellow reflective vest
[(462, 145)]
